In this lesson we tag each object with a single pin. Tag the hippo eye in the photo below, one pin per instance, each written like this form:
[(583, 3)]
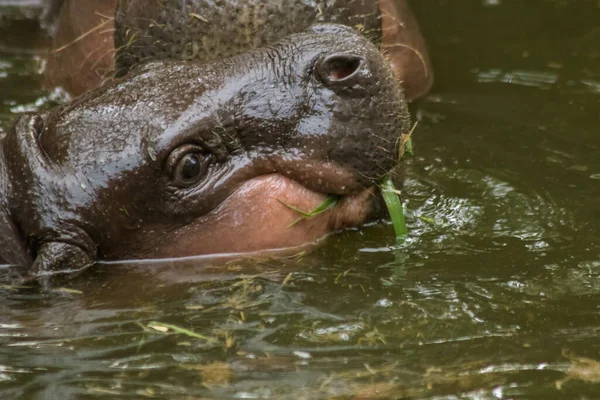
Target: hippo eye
[(190, 167), (189, 164)]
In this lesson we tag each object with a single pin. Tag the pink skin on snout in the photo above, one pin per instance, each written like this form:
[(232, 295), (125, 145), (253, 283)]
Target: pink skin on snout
[(253, 219)]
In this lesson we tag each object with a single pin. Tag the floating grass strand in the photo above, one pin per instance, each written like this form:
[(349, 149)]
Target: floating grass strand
[(327, 204), (428, 220), (394, 206), (163, 327)]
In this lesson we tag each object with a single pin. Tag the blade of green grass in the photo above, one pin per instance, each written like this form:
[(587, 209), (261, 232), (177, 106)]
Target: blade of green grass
[(405, 147), (394, 206), (327, 204), (408, 148)]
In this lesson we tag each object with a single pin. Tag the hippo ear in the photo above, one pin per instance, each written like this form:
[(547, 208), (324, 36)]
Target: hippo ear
[(56, 258), (404, 47)]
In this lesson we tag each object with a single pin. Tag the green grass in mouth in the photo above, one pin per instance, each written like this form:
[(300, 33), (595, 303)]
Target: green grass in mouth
[(390, 195), (388, 191), (329, 202)]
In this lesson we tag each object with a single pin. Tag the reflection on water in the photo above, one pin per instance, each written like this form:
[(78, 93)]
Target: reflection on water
[(495, 295), (542, 80)]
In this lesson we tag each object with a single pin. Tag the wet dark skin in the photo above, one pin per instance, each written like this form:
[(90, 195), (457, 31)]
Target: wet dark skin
[(181, 159), (93, 38)]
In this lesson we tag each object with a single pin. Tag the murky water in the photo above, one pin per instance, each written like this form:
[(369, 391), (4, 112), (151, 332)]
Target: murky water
[(496, 295)]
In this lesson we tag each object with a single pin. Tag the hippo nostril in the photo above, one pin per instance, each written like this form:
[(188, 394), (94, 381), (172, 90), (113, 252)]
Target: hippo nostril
[(340, 68)]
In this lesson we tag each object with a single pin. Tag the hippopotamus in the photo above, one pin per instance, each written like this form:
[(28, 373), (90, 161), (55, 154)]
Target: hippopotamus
[(93, 39), (181, 159)]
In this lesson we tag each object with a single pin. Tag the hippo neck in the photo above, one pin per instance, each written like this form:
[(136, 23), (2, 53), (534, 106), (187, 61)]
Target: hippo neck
[(12, 245)]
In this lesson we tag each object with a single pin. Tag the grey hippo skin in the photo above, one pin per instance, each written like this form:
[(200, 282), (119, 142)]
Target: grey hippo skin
[(182, 159), (93, 38)]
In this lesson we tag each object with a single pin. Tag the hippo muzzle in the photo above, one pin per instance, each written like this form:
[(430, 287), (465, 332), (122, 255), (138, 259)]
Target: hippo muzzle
[(183, 159)]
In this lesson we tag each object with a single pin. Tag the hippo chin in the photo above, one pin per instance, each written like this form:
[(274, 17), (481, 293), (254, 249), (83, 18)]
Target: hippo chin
[(95, 38), (183, 159)]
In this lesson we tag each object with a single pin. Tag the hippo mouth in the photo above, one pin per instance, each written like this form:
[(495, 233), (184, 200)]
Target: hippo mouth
[(259, 215)]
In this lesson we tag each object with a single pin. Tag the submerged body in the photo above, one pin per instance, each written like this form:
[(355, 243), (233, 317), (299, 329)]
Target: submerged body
[(183, 159), (95, 38)]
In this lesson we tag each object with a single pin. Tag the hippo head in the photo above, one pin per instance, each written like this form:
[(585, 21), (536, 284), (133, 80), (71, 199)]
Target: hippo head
[(182, 159)]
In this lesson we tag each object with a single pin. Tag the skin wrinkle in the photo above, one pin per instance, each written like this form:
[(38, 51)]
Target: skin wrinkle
[(71, 230)]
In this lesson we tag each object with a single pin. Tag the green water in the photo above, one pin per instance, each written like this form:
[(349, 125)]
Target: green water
[(499, 298)]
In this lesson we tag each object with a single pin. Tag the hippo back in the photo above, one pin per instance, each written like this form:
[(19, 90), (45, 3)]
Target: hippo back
[(215, 29)]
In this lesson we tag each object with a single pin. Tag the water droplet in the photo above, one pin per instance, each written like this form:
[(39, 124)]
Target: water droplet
[(384, 303), (302, 354)]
